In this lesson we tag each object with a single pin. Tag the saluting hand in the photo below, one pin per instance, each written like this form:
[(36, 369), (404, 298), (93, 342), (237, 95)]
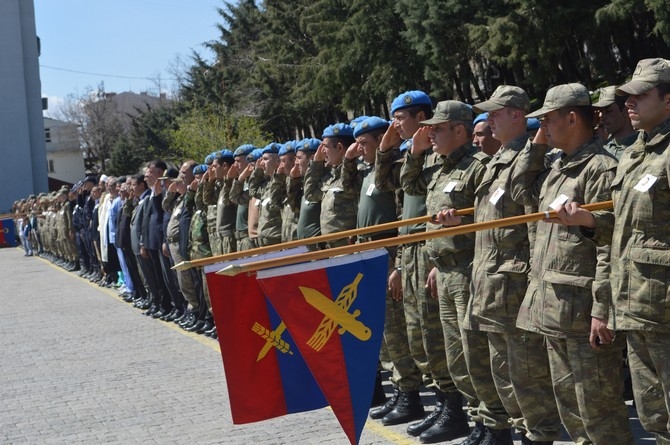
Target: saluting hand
[(421, 141), (390, 140), (352, 152), (320, 154)]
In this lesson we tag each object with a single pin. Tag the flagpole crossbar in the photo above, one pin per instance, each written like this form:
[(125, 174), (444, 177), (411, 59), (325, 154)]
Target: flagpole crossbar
[(251, 266)]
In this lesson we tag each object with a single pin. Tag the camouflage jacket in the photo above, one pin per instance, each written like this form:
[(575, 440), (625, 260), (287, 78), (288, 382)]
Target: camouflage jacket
[(494, 299), (568, 257), (339, 207), (198, 237), (448, 183), (270, 193), (641, 238)]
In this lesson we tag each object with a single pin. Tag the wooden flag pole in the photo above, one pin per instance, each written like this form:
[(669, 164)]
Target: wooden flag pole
[(314, 240), (404, 239)]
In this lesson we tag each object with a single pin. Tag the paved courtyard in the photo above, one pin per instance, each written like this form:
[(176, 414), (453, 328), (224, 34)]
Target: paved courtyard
[(81, 366)]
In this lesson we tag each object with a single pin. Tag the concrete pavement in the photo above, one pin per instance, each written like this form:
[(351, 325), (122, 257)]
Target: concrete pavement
[(81, 366)]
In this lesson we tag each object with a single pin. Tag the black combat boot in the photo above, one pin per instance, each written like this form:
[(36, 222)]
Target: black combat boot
[(408, 408), (451, 423), (415, 429), (498, 437), (386, 408), (476, 435)]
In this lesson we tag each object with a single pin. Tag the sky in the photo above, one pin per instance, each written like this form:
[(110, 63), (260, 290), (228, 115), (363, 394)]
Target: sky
[(127, 44)]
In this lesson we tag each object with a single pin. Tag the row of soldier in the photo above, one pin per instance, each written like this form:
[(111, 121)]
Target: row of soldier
[(525, 324)]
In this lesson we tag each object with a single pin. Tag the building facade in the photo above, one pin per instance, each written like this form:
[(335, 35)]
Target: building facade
[(22, 145)]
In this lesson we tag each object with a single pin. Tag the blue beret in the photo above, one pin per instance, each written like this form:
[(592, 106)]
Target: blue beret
[(209, 158), (199, 169), (480, 118), (370, 124), (410, 99), (405, 145), (255, 154), (338, 130), (532, 123), (357, 120), (244, 150), (226, 154), (288, 147), (272, 147), (309, 144)]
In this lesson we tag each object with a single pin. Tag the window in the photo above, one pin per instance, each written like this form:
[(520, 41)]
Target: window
[(47, 134), (50, 166)]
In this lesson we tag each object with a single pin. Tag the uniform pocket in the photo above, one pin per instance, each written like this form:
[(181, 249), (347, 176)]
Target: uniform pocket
[(649, 283)]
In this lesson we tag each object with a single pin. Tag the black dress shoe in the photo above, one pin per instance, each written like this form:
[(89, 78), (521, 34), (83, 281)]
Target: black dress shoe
[(160, 313), (164, 317), (195, 327), (184, 314), (152, 310), (188, 321), (211, 332), (205, 327), (176, 313)]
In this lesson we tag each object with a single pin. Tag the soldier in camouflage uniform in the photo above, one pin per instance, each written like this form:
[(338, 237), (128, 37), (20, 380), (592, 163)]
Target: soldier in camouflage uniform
[(377, 207), (499, 281), (309, 213), (289, 214), (269, 188), (640, 246), (323, 183), (449, 183), (422, 313), (569, 296), (237, 191), (615, 121), (217, 193)]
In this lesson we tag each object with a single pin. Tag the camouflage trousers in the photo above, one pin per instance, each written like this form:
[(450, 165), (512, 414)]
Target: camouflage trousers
[(222, 244), (186, 280), (484, 403), (422, 314), (406, 375), (520, 368), (588, 386), (453, 286), (243, 241), (648, 354)]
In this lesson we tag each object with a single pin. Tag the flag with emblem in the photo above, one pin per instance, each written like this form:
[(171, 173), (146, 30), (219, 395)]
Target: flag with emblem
[(265, 373), (334, 310)]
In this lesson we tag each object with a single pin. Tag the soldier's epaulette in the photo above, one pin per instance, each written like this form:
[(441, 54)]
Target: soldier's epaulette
[(482, 157)]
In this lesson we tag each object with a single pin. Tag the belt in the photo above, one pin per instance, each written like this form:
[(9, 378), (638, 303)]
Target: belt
[(451, 259), (376, 236), (241, 234), (224, 233)]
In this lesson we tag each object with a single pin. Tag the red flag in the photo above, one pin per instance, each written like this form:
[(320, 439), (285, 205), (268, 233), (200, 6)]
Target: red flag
[(334, 310), (265, 372)]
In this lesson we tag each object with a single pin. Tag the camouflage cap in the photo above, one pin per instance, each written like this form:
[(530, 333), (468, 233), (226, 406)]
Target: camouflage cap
[(563, 96), (648, 73), (505, 96), (605, 97), (450, 110)]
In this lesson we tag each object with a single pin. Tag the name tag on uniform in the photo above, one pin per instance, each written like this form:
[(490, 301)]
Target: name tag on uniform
[(560, 200), (495, 197), (450, 186), (265, 202), (336, 189), (645, 183), (371, 189)]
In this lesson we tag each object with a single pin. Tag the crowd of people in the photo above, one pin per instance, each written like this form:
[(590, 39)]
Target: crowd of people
[(527, 325)]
